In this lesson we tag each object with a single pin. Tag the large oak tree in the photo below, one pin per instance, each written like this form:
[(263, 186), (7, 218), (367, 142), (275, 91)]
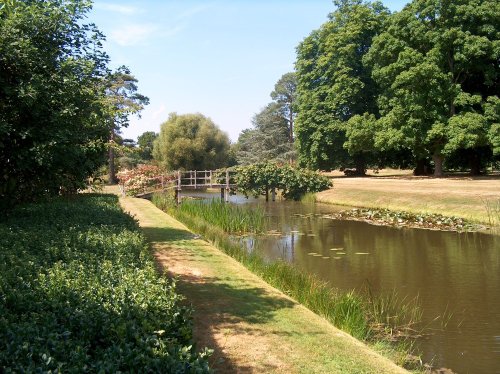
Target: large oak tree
[(437, 65)]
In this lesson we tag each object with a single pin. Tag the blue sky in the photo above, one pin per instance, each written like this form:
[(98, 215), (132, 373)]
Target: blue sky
[(220, 58)]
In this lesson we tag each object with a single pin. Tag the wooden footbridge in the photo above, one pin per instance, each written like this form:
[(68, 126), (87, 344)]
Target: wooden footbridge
[(190, 180)]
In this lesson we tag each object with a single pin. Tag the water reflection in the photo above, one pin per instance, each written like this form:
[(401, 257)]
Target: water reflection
[(456, 275)]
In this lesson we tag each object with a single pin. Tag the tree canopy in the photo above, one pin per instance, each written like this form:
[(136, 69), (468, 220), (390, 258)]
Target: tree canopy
[(145, 142), (437, 66), (422, 82), (57, 105), (272, 136), (333, 83), (191, 142), (52, 69)]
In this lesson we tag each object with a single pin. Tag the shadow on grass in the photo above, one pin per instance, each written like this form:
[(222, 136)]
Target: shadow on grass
[(222, 305), (166, 234), (237, 311)]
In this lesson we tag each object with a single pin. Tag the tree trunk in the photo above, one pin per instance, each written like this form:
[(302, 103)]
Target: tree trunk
[(360, 166), (438, 164), (111, 160), (420, 167), (475, 164)]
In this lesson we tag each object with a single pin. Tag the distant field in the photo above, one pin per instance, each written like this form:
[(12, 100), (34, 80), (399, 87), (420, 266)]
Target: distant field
[(398, 190)]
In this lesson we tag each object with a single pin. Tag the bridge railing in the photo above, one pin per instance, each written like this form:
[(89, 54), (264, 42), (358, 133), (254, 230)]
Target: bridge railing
[(190, 179)]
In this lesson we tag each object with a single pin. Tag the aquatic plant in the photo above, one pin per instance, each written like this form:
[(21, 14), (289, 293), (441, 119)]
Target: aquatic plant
[(406, 219), (233, 219), (493, 210), (364, 316)]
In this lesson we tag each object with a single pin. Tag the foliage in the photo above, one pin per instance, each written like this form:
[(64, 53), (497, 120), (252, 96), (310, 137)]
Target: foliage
[(334, 85), (285, 94), (271, 138), (191, 142), (122, 100), (436, 64), (80, 292), (231, 218), (268, 140), (52, 118), (145, 142), (259, 179), (138, 179)]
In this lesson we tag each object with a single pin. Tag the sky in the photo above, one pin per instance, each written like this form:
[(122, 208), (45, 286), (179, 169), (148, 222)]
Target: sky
[(220, 58)]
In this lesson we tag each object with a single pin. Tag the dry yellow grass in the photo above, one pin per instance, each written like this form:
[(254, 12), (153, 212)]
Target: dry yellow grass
[(463, 197)]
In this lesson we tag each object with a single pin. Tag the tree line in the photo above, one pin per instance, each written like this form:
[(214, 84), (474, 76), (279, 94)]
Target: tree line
[(418, 87)]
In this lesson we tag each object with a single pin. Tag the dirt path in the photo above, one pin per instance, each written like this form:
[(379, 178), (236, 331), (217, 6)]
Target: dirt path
[(252, 327)]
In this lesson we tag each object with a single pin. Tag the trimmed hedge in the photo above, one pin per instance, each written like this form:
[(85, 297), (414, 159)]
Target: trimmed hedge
[(79, 292)]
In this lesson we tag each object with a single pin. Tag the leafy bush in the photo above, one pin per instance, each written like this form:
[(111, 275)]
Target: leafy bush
[(79, 292), (258, 179)]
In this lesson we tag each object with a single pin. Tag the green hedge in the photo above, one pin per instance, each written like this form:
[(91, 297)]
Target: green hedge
[(79, 292)]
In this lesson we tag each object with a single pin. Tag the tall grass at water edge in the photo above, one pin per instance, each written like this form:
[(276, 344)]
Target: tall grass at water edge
[(383, 320), (493, 210), (232, 219)]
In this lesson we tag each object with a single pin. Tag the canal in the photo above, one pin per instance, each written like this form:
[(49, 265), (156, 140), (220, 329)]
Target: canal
[(455, 276)]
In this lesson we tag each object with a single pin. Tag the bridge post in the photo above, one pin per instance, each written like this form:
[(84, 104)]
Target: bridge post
[(178, 189), (222, 195)]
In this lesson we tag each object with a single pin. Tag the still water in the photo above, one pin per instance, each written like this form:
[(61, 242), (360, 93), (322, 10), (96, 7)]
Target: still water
[(455, 275)]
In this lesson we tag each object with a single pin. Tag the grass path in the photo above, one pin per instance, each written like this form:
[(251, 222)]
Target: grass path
[(252, 327), (463, 197)]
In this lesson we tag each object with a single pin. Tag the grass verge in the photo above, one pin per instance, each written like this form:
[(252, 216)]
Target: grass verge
[(251, 326), (467, 198), (368, 318), (79, 292)]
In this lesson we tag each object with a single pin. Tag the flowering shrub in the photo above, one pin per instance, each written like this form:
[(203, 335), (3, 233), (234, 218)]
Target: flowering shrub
[(142, 178)]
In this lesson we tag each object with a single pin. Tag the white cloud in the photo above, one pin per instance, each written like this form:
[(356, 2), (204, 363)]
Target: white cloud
[(132, 34), (117, 8), (158, 112)]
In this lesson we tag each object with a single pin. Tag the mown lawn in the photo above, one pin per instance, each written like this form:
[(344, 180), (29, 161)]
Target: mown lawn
[(79, 292)]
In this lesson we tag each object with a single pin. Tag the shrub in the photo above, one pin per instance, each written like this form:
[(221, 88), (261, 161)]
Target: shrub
[(79, 292), (294, 182)]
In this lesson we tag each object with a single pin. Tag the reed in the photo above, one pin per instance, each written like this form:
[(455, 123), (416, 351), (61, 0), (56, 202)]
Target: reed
[(493, 211), (308, 198), (232, 219), (367, 317)]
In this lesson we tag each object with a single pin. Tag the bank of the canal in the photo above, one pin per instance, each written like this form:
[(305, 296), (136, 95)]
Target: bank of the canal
[(476, 199), (455, 277), (251, 326)]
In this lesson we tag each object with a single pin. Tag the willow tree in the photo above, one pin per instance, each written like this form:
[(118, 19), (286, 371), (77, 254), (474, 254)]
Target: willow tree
[(437, 65), (334, 85), (191, 142)]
